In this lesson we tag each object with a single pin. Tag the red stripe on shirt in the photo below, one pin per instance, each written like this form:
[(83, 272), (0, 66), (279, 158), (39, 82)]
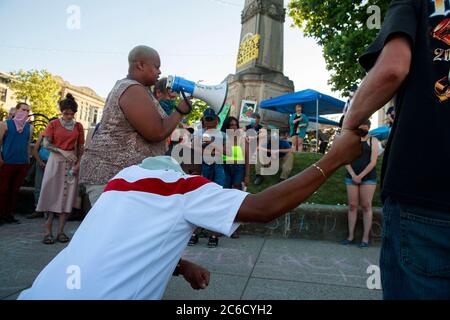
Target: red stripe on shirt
[(158, 186)]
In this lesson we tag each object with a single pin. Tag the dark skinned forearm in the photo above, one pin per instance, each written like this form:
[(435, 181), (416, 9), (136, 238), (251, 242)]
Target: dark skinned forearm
[(279, 199)]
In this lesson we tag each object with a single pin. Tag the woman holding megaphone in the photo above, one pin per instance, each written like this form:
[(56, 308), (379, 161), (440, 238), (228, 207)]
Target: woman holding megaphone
[(134, 126)]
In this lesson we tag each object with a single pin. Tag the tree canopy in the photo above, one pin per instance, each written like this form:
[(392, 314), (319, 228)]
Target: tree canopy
[(39, 89), (344, 29)]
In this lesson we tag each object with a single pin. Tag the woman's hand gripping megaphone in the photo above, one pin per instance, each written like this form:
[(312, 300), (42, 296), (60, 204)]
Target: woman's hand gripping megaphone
[(185, 106)]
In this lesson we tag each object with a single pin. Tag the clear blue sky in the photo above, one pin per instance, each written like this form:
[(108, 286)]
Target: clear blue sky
[(196, 39)]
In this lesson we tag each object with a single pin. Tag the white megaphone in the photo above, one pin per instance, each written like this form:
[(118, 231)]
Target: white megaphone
[(214, 96)]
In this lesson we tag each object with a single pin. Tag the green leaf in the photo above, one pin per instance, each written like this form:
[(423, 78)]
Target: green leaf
[(39, 89), (339, 26)]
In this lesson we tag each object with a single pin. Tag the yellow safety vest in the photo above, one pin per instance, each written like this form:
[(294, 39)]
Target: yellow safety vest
[(237, 154)]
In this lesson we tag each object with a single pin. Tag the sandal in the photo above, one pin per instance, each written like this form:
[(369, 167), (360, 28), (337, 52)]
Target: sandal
[(48, 239), (213, 242), (62, 238)]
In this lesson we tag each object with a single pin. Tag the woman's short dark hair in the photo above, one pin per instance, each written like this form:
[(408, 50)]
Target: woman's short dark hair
[(160, 85), (20, 104), (68, 103), (367, 123), (227, 123)]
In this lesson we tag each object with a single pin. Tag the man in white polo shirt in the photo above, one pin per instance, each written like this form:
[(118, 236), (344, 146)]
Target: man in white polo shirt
[(132, 239)]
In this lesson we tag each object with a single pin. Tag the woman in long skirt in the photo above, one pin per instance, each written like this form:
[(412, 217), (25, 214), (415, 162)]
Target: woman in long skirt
[(64, 138)]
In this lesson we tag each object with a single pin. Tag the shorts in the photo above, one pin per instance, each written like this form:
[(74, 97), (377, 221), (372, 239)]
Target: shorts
[(349, 182)]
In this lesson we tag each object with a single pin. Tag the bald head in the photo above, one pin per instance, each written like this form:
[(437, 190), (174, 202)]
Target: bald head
[(142, 53), (144, 64)]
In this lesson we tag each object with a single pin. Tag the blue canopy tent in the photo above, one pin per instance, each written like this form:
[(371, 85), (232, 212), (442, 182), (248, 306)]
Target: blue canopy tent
[(325, 121), (314, 104), (381, 133)]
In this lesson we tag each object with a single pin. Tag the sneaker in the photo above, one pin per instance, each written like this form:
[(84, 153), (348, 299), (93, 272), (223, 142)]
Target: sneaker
[(35, 215), (213, 242), (258, 180), (194, 240), (347, 242)]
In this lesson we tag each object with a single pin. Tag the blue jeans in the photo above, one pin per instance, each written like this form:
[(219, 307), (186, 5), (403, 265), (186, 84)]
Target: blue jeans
[(214, 172), (234, 175), (415, 252), (349, 182)]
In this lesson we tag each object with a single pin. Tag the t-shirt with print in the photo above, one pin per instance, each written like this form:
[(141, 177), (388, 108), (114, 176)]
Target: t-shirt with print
[(415, 166), (132, 239)]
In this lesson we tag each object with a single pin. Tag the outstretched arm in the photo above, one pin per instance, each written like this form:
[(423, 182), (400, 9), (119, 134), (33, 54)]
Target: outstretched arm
[(279, 199)]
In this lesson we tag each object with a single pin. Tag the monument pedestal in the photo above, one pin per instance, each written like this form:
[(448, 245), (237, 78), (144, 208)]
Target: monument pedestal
[(259, 86), (259, 68)]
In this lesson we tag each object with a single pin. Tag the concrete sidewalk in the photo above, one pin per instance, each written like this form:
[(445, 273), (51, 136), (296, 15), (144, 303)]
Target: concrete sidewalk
[(251, 267)]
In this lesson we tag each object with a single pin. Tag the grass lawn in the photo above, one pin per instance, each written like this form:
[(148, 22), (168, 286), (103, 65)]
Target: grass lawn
[(332, 192)]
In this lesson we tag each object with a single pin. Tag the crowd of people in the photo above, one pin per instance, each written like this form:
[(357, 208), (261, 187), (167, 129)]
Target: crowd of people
[(123, 139)]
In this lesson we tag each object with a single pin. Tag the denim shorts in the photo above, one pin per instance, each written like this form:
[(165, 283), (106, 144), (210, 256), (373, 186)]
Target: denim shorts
[(415, 252), (349, 182), (234, 175)]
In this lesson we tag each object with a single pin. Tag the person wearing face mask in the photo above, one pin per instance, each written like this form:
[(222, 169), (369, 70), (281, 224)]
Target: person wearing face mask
[(64, 138), (361, 182), (165, 96), (15, 138)]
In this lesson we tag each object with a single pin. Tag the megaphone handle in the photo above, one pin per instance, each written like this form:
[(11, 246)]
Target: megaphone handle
[(187, 102)]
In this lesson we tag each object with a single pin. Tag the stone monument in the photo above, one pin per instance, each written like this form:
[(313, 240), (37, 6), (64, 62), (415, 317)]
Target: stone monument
[(259, 68)]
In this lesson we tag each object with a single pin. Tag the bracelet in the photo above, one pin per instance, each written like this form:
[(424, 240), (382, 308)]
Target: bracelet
[(320, 169)]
